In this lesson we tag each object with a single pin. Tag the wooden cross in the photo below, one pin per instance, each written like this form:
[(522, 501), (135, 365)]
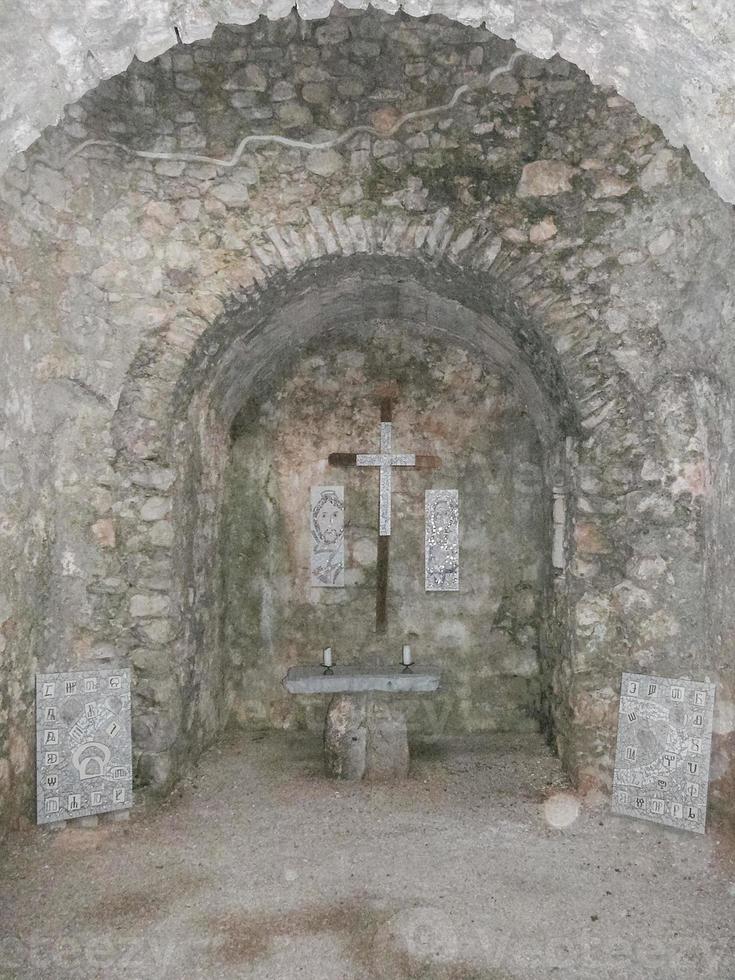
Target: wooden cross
[(385, 460)]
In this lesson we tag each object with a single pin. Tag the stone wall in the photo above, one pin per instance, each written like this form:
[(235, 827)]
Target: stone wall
[(486, 636), (539, 223), (673, 60)]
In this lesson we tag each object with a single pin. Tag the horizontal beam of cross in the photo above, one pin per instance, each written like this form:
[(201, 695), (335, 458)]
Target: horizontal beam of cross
[(350, 459)]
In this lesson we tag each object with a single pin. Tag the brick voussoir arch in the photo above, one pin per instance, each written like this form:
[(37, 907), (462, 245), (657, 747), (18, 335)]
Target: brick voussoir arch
[(172, 363)]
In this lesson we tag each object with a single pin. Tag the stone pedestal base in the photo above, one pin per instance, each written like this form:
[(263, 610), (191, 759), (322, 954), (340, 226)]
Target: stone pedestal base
[(365, 738)]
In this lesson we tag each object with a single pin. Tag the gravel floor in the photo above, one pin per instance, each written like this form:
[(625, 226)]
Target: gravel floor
[(478, 867)]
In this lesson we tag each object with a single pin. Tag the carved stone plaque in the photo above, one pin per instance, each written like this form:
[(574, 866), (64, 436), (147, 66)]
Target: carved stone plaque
[(327, 525), (441, 555), (83, 739), (663, 753)]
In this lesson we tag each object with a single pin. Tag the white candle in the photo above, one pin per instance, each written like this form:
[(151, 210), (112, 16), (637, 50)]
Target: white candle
[(327, 657), (406, 655)]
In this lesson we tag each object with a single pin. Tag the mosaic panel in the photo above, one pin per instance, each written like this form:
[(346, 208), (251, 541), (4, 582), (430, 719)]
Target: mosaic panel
[(663, 753), (386, 460), (83, 738), (441, 556), (327, 519)]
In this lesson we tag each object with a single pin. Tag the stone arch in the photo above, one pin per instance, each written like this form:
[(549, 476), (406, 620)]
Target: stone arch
[(653, 67), (183, 389), (599, 275), (292, 252)]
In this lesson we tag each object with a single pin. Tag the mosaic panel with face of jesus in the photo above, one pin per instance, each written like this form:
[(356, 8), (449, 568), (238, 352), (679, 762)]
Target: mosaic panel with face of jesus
[(327, 536)]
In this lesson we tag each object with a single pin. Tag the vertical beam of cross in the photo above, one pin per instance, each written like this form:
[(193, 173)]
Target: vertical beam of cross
[(384, 460)]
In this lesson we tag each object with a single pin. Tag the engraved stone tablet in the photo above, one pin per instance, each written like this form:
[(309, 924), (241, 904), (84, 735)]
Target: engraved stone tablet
[(328, 536), (441, 555), (84, 764), (664, 741)]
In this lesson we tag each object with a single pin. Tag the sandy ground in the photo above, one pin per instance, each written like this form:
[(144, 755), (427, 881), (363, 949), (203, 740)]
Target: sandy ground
[(259, 867)]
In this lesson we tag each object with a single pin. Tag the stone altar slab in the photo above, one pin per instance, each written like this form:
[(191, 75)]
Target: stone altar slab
[(357, 680), (365, 731), (84, 747), (663, 753)]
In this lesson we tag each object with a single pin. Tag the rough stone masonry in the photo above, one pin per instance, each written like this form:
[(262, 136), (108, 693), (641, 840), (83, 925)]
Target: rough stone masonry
[(674, 61), (540, 223)]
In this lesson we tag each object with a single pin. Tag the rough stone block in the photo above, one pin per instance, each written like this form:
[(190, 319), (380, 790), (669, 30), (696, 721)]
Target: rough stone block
[(365, 737), (545, 178), (345, 737), (148, 605), (387, 740)]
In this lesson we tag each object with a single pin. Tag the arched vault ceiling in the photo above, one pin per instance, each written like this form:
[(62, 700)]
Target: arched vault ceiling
[(675, 59)]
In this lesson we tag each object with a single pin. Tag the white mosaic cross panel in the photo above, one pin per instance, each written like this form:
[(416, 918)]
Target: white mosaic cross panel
[(663, 753), (385, 460), (441, 545), (84, 747), (327, 525)]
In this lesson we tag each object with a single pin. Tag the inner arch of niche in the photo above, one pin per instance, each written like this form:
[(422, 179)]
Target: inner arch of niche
[(260, 339)]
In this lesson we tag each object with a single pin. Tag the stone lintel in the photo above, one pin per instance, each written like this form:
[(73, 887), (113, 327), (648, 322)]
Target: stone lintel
[(356, 680)]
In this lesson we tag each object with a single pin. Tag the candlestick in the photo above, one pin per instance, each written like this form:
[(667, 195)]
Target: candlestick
[(327, 660), (407, 659)]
